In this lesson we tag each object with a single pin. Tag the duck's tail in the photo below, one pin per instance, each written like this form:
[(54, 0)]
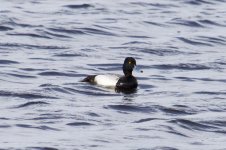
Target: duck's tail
[(89, 79)]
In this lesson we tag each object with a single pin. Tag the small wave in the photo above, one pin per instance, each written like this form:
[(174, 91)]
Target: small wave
[(79, 6), (163, 148), (171, 130), (218, 123), (23, 25), (80, 124), (212, 40), (192, 42), (93, 114), (157, 5), (4, 28), (5, 126), (38, 103), (131, 108), (68, 31), (145, 86), (8, 62), (29, 35), (192, 125), (31, 69), (198, 2), (97, 31), (55, 73), (132, 42), (210, 93), (159, 51), (181, 67), (200, 79), (177, 111), (28, 46), (36, 127), (186, 23), (21, 76), (185, 79), (25, 95), (70, 55), (91, 90), (155, 24), (139, 36), (209, 22), (3, 118), (49, 87), (56, 35), (145, 120), (209, 79), (48, 116), (42, 148)]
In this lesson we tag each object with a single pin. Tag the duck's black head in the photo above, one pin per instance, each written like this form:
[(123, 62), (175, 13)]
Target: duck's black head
[(129, 64)]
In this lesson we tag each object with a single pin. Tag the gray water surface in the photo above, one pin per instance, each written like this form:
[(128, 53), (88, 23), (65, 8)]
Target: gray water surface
[(47, 47)]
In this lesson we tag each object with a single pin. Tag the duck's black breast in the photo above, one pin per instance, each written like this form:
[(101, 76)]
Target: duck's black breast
[(126, 83)]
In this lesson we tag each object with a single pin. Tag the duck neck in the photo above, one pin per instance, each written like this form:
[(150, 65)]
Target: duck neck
[(128, 73)]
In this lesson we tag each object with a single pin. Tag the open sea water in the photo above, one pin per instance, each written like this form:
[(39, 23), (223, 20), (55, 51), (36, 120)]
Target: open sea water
[(47, 47)]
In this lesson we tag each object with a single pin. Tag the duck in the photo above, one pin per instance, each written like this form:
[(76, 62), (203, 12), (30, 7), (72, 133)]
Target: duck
[(124, 83)]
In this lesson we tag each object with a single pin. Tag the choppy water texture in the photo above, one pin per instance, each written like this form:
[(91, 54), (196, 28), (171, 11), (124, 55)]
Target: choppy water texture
[(47, 47)]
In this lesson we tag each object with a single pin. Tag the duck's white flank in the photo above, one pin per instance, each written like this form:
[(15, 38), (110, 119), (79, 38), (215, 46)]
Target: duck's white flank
[(107, 80)]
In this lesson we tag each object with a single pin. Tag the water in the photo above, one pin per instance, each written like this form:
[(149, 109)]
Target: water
[(47, 47)]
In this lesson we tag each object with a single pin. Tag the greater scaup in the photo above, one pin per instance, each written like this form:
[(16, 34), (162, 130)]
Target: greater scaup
[(124, 83)]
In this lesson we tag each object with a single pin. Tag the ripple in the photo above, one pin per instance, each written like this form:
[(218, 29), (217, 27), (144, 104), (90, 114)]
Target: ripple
[(91, 90), (5, 126), (209, 22), (177, 111), (4, 28), (42, 148), (218, 123), (210, 93), (56, 35), (187, 23), (36, 127), (6, 62), (193, 42), (31, 69), (159, 51), (29, 46), (68, 31), (157, 5), (80, 124), (48, 116), (131, 108), (162, 148), (185, 79), (37, 103), (155, 24), (55, 73), (97, 31), (212, 40), (12, 22), (55, 88), (145, 120), (192, 125), (70, 55), (25, 95), (21, 75), (198, 2), (181, 67), (29, 35), (79, 6)]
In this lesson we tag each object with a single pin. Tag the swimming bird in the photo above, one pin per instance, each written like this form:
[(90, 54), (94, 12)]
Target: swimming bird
[(121, 83)]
